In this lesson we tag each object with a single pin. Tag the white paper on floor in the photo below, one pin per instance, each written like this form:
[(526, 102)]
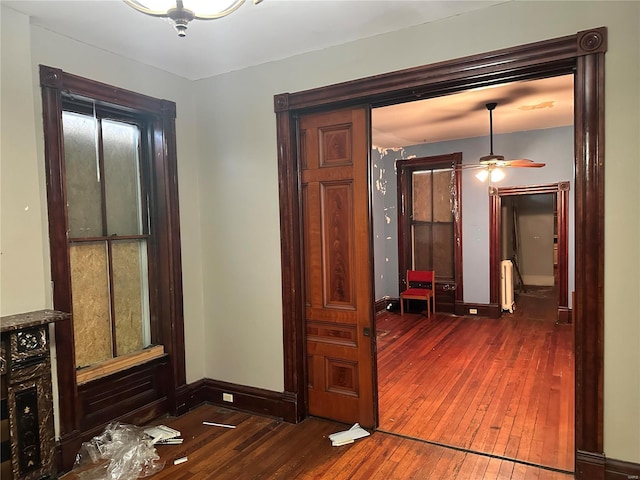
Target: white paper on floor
[(348, 436)]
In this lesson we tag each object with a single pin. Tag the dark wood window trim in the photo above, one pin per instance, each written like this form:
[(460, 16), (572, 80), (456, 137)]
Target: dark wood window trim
[(404, 168), (561, 191), (166, 384), (581, 54)]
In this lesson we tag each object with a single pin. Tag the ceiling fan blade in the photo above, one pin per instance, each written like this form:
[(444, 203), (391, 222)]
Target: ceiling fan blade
[(470, 166), (524, 162)]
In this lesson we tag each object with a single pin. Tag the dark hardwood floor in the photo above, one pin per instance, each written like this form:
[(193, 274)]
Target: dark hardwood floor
[(503, 387), (264, 448)]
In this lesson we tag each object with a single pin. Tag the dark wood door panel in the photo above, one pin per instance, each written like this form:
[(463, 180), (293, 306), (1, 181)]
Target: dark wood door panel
[(338, 298)]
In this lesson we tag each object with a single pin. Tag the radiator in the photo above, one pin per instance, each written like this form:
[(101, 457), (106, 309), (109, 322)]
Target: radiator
[(506, 286)]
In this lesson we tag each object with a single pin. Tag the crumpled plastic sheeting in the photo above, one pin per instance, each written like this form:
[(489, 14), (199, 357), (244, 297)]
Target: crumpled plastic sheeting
[(121, 452)]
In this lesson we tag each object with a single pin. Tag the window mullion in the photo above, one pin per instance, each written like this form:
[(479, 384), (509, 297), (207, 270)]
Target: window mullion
[(103, 201)]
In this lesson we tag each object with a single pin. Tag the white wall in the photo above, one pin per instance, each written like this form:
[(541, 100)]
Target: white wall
[(26, 272), (229, 190), (24, 266)]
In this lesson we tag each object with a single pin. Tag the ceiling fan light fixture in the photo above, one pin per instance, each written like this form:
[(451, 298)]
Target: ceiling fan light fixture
[(483, 174), (494, 174), (497, 174), (183, 11)]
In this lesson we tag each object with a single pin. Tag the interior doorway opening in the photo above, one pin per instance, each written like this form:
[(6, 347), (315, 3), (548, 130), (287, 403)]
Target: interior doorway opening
[(460, 406), (548, 233), (529, 239), (476, 383), (581, 54)]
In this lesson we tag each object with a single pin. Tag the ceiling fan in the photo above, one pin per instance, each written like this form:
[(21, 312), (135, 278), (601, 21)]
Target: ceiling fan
[(491, 164)]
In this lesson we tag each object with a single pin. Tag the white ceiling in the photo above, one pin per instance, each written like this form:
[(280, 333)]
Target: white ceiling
[(277, 29), (522, 106), (254, 34)]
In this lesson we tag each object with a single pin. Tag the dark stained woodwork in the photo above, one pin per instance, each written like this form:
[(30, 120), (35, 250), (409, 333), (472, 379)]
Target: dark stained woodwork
[(589, 218), (79, 409), (116, 395), (620, 470), (337, 263), (561, 191), (581, 54), (450, 293), (248, 399), (265, 448), (503, 387)]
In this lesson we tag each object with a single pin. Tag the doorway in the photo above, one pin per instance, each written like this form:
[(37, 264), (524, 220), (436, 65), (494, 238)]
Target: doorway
[(582, 53), (561, 230), (438, 380)]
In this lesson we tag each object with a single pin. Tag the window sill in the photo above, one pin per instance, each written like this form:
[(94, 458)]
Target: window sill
[(117, 364)]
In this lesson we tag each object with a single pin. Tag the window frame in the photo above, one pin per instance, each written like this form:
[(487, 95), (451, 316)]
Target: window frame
[(167, 322), (406, 168)]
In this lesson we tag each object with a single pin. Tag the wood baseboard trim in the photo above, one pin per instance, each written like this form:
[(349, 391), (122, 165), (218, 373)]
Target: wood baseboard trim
[(387, 303), (491, 310), (589, 466), (380, 305), (67, 447), (621, 470), (179, 402), (595, 466), (564, 315), (248, 399)]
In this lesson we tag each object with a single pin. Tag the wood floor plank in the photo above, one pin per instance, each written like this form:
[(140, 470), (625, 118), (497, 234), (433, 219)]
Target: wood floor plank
[(498, 386), (266, 448)]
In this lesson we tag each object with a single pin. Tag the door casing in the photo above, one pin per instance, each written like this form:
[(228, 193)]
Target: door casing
[(561, 191), (581, 54)]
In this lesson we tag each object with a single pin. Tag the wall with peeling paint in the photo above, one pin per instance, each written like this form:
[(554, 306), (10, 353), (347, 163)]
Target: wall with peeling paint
[(553, 146)]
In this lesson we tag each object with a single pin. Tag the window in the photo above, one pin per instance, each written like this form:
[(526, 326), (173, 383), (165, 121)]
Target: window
[(113, 226), (430, 224), (108, 231)]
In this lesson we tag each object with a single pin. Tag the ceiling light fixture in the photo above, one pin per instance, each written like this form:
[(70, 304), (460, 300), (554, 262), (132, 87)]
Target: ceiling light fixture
[(183, 11), (493, 173)]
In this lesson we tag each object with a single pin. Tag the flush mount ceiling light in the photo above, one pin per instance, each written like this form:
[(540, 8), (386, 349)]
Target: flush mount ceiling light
[(183, 11)]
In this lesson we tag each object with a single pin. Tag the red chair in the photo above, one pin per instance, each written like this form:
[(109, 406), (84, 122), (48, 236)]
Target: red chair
[(417, 289)]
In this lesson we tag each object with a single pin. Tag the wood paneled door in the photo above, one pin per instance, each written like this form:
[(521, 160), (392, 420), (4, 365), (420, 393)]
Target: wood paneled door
[(337, 265)]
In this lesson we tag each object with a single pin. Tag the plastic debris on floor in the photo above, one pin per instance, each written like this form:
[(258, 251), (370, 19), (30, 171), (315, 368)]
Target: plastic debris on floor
[(121, 452)]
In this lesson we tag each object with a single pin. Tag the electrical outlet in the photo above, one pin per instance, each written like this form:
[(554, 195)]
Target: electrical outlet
[(473, 311), (227, 397)]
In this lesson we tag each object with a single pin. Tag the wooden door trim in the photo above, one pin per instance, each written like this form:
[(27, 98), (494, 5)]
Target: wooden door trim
[(561, 191), (581, 54)]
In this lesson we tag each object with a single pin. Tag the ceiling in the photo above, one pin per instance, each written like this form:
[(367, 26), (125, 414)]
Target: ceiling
[(531, 105), (257, 34)]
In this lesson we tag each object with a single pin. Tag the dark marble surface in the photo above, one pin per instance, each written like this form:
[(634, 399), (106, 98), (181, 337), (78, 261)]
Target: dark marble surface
[(30, 319)]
